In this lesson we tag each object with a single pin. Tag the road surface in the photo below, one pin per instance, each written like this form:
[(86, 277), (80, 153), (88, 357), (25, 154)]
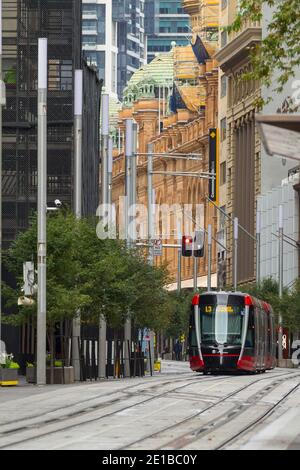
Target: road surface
[(176, 409)]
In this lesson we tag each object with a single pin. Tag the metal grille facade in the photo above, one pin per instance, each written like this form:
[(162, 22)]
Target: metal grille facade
[(24, 21)]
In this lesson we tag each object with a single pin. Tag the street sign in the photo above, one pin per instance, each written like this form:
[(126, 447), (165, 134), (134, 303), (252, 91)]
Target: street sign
[(157, 247)]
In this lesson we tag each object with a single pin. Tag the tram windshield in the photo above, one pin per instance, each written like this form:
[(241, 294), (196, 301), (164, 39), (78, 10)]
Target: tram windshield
[(222, 319)]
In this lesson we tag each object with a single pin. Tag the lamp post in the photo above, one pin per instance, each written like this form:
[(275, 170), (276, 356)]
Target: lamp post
[(42, 210), (104, 200), (78, 108), (129, 197), (2, 103)]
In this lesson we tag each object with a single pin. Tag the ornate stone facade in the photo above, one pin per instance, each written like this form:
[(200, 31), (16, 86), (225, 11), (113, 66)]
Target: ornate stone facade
[(174, 102), (240, 145)]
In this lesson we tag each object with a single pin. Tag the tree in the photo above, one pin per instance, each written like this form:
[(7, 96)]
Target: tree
[(279, 50), (181, 308), (88, 274), (288, 306)]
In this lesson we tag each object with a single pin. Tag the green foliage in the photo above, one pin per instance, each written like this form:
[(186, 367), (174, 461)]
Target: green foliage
[(9, 363), (88, 274), (279, 50), (181, 307), (288, 305)]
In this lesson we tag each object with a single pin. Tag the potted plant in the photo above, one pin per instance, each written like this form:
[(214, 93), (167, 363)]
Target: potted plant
[(30, 373), (61, 374), (9, 372)]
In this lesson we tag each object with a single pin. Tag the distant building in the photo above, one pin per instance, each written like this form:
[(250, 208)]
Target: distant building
[(113, 40), (165, 22)]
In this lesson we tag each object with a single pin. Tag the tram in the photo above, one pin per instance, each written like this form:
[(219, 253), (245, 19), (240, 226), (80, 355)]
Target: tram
[(231, 331)]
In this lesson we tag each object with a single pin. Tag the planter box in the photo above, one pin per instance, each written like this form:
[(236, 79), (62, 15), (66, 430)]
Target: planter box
[(61, 375), (8, 377), (31, 375)]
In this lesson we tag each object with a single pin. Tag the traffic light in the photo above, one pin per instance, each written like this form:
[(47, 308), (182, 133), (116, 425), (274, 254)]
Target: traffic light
[(199, 243), (187, 245)]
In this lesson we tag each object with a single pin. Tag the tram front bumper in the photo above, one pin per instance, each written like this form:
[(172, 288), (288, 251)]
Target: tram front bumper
[(218, 362)]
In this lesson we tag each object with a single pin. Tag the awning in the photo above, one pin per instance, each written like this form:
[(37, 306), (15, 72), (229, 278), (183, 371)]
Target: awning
[(280, 134)]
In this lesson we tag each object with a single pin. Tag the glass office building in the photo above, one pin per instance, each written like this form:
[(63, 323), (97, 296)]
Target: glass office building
[(113, 39), (165, 22)]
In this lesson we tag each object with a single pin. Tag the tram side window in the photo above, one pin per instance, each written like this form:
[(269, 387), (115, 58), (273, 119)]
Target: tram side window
[(250, 332)]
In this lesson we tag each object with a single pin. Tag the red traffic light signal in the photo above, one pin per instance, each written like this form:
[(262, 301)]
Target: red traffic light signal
[(187, 245)]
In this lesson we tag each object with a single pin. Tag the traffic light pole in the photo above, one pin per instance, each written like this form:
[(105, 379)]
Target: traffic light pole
[(42, 210), (195, 273)]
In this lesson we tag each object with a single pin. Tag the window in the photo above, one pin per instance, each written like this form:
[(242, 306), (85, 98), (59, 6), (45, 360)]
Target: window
[(223, 125), (223, 218), (224, 4), (223, 86), (222, 173), (223, 38)]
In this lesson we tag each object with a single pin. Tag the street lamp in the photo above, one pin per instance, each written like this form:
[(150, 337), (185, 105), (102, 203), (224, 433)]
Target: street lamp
[(42, 209)]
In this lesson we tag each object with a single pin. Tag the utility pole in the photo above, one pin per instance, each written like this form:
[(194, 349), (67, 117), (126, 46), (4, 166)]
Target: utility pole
[(235, 251), (149, 197), (132, 181), (280, 279), (104, 200), (129, 139), (195, 273), (179, 254), (2, 103), (110, 169), (258, 235), (104, 147), (128, 175), (78, 108), (209, 243), (42, 209)]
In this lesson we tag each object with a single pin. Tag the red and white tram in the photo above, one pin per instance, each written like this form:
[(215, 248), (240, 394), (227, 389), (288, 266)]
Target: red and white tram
[(231, 331)]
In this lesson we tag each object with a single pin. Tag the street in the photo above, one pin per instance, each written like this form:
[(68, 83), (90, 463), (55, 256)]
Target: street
[(176, 409)]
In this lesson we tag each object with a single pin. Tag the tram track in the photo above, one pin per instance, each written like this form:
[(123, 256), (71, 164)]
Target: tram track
[(158, 380), (257, 421), (192, 438), (61, 420)]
